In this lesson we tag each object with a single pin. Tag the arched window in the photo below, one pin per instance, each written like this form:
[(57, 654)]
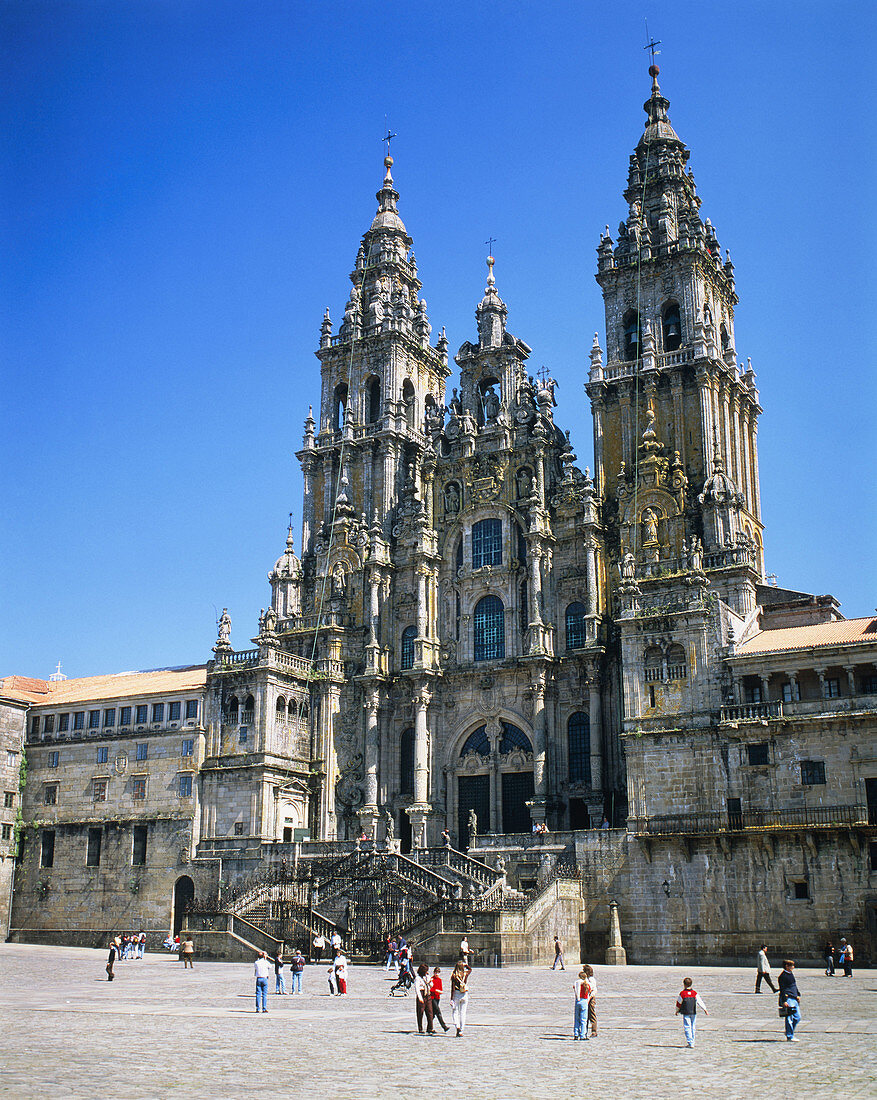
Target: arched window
[(486, 543), (231, 709), (654, 662), (249, 707), (579, 743), (407, 657), (632, 335), (373, 401), (513, 738), (672, 327), (476, 742), (677, 667), (281, 709), (406, 762), (489, 629), (339, 407), (410, 403), (726, 339), (576, 627)]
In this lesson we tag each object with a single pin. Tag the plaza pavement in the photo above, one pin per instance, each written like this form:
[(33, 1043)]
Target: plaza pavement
[(159, 1031)]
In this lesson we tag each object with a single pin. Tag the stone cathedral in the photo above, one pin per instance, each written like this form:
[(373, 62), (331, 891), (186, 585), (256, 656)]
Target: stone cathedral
[(492, 692), (463, 585)]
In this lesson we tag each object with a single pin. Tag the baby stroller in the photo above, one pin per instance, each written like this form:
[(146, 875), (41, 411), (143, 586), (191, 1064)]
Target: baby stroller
[(403, 983)]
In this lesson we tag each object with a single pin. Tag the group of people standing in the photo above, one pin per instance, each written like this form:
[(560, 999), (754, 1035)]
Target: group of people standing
[(130, 945), (428, 993), (845, 957)]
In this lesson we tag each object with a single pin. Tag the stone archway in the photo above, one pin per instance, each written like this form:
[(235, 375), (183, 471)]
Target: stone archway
[(184, 895)]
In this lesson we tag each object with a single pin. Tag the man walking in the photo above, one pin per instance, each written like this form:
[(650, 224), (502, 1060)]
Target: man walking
[(296, 968), (763, 967), (262, 969), (558, 955), (790, 999)]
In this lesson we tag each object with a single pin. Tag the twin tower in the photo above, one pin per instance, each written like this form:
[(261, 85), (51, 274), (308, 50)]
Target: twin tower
[(474, 622)]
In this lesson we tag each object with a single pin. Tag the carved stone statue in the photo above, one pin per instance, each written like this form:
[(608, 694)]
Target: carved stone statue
[(628, 567), (390, 826), (491, 405), (270, 621), (695, 555), (473, 828), (339, 582), (650, 526), (224, 627), (452, 498), (456, 403)]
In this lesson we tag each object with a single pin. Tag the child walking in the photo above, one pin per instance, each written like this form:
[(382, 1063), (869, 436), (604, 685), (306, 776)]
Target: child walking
[(687, 1004)]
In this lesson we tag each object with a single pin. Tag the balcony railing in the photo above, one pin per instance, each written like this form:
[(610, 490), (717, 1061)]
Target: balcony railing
[(795, 817), (752, 712)]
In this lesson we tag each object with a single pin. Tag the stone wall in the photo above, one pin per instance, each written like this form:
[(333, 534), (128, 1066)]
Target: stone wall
[(12, 728)]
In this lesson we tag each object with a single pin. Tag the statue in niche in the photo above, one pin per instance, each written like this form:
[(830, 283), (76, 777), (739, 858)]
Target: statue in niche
[(390, 826), (452, 499), (339, 582), (628, 567), (224, 627), (695, 555), (491, 405), (270, 621), (473, 828), (650, 526)]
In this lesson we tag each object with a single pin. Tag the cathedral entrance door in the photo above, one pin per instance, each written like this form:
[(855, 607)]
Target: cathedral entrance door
[(517, 791), (473, 793)]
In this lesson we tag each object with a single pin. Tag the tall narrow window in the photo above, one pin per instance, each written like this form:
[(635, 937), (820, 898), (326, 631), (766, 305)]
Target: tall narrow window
[(632, 339), (486, 543), (92, 855), (409, 401), (406, 762), (339, 407), (489, 629), (373, 401), (408, 635), (579, 743), (576, 633), (47, 848), (138, 852), (671, 327)]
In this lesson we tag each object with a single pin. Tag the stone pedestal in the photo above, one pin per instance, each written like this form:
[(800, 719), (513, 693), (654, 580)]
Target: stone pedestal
[(615, 953), (417, 815)]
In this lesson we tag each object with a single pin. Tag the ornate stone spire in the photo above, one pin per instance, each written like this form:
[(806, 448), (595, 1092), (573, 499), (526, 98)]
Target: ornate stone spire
[(491, 312)]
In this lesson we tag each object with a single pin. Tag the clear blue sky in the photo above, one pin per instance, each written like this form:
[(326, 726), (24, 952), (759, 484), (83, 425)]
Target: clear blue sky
[(185, 185)]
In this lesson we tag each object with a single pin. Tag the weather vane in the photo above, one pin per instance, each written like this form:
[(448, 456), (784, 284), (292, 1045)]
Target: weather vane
[(652, 44)]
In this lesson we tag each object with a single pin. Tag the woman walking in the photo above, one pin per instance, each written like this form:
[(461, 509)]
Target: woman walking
[(279, 983), (460, 994), (582, 992), (423, 999), (435, 993)]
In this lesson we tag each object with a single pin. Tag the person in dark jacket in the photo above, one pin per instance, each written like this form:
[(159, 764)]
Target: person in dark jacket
[(111, 958), (790, 999)]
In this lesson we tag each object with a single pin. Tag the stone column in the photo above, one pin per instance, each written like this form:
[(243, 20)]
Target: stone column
[(419, 810), (706, 417), (756, 486), (596, 728), (678, 416), (388, 491), (539, 749), (765, 688), (371, 706), (624, 404), (747, 460), (599, 472), (615, 953), (793, 685), (591, 598), (851, 678), (307, 511)]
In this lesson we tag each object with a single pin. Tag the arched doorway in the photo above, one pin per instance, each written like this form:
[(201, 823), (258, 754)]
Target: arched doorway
[(184, 895)]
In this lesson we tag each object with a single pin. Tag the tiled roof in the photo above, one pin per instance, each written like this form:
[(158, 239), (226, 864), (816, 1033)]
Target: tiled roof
[(841, 632), (92, 688)]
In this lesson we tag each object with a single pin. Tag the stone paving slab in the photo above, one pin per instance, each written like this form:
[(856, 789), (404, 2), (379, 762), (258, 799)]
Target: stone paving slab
[(160, 1031)]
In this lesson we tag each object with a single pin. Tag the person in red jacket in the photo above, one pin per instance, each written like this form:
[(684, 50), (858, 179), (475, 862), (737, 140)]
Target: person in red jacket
[(435, 992), (687, 1004)]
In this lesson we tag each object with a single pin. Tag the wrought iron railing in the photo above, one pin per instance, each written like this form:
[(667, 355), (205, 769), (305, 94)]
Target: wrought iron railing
[(794, 817)]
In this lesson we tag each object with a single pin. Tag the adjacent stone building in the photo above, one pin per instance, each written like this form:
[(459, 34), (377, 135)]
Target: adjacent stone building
[(477, 637)]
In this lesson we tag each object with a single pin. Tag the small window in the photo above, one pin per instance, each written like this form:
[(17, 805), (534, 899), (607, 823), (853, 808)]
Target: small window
[(110, 716), (142, 714), (54, 759), (63, 722), (188, 748), (801, 890), (185, 786), (486, 543), (8, 799), (93, 719), (174, 710), (239, 828), (51, 794), (79, 720), (191, 708), (576, 626), (242, 734), (869, 685), (812, 773), (11, 758), (757, 754), (791, 693), (407, 656), (143, 751), (832, 688), (35, 725), (7, 830), (125, 716), (102, 754), (99, 789), (138, 854), (138, 788), (158, 712), (753, 693), (47, 848), (92, 854), (49, 723)]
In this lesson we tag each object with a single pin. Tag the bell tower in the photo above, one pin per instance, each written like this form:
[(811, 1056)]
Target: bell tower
[(675, 417)]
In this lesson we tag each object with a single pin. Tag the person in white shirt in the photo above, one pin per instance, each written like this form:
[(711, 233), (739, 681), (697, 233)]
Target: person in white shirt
[(592, 1002), (262, 969), (581, 993), (763, 968), (336, 941), (340, 968)]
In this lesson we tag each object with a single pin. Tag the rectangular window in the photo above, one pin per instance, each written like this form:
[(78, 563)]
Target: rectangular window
[(158, 712), (54, 759), (92, 854), (242, 735), (125, 716), (47, 848), (142, 713), (191, 708), (93, 719), (802, 890), (812, 772), (173, 712), (791, 693), (63, 722), (832, 689), (138, 854), (35, 725), (757, 754), (239, 828), (142, 751), (486, 543), (79, 720), (11, 758), (138, 788), (7, 831), (869, 685), (753, 694), (51, 796), (102, 754), (188, 748), (110, 716), (8, 799), (49, 723), (99, 789), (185, 786)]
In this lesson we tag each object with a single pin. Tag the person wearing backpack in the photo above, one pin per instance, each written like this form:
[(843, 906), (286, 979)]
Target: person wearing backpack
[(296, 968), (687, 1004)]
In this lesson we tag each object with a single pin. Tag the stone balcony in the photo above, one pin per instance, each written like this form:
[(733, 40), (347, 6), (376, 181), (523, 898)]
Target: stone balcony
[(793, 817)]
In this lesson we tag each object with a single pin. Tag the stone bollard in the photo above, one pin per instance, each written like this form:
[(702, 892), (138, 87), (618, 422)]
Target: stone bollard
[(615, 953)]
